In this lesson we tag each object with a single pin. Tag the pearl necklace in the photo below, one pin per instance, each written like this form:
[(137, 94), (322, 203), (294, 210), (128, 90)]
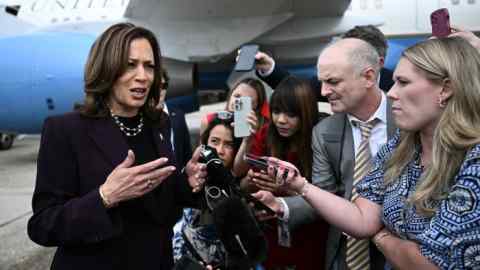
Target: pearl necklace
[(130, 132)]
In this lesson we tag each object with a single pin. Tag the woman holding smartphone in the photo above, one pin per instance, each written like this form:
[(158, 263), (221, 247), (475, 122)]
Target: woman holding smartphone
[(294, 112), (248, 87), (419, 202)]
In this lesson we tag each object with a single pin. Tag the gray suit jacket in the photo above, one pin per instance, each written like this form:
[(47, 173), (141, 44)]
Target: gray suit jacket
[(332, 171)]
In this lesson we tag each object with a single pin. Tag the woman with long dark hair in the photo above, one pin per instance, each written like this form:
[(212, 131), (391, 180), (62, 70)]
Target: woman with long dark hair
[(293, 114)]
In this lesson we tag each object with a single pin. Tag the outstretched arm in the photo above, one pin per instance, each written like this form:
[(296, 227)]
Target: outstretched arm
[(400, 253), (360, 219)]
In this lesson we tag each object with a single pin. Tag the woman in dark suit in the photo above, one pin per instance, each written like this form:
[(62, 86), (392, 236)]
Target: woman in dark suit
[(107, 190)]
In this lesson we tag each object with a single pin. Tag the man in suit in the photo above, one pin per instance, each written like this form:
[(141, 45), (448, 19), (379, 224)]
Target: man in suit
[(375, 37), (178, 133), (348, 70)]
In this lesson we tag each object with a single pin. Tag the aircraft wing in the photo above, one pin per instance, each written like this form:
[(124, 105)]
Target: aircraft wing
[(206, 30), (195, 30), (209, 39)]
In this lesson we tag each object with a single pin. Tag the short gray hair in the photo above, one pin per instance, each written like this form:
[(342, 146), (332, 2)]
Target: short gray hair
[(363, 56), (360, 55)]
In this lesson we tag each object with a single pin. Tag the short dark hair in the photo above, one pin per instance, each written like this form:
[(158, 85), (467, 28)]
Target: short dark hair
[(370, 34), (108, 60), (227, 123)]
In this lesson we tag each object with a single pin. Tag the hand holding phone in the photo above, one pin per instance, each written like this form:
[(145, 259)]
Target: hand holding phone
[(261, 163), (242, 107), (440, 20), (258, 205), (257, 162), (246, 58)]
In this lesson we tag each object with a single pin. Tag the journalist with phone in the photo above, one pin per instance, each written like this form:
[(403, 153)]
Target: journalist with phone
[(419, 201), (293, 113)]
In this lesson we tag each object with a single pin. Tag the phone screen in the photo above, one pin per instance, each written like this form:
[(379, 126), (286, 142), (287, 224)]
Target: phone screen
[(246, 58), (440, 20)]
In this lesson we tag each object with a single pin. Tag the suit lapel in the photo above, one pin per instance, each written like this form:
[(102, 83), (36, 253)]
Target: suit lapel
[(108, 139)]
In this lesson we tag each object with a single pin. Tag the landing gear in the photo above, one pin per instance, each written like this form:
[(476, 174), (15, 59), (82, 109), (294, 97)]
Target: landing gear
[(6, 141)]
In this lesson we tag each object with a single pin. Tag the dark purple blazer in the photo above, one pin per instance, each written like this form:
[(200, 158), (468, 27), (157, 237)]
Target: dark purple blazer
[(76, 156)]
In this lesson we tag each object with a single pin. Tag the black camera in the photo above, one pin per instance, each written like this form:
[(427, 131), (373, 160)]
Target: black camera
[(234, 220), (220, 182), (218, 175)]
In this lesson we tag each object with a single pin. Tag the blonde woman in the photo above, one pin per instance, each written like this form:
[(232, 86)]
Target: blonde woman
[(419, 203)]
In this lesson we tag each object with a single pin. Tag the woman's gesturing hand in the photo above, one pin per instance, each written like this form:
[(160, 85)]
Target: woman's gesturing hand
[(127, 181)]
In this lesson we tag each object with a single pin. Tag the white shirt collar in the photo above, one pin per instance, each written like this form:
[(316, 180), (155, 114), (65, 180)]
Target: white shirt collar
[(380, 113)]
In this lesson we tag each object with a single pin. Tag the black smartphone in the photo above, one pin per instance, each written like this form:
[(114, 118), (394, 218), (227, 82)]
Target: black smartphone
[(258, 205), (260, 163), (257, 162), (246, 58)]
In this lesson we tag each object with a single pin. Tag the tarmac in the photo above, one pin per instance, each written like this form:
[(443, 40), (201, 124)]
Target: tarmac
[(17, 181)]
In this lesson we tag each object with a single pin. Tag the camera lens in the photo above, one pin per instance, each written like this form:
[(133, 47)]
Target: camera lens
[(213, 192)]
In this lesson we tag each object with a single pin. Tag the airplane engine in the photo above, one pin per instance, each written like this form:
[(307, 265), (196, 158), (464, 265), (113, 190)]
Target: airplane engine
[(183, 78), (183, 85)]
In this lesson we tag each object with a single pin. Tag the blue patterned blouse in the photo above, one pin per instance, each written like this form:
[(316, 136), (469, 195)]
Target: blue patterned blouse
[(451, 238), (202, 238)]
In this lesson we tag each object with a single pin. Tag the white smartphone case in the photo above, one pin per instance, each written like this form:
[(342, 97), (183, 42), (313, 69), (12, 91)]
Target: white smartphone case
[(242, 107)]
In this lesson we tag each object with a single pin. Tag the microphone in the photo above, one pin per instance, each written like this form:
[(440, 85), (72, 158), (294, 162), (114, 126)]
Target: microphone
[(239, 232)]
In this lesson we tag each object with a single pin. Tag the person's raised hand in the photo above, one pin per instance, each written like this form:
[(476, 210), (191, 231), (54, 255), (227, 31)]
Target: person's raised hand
[(467, 35), (269, 200), (263, 62), (263, 181), (196, 171), (126, 181)]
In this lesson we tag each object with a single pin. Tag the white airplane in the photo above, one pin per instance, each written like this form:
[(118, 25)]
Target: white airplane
[(45, 42)]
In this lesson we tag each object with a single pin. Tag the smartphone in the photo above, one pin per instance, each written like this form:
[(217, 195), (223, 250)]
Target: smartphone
[(242, 107), (257, 162), (286, 170), (246, 58), (440, 20)]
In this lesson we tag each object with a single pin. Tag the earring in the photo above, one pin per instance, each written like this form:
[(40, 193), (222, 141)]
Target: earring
[(441, 103)]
